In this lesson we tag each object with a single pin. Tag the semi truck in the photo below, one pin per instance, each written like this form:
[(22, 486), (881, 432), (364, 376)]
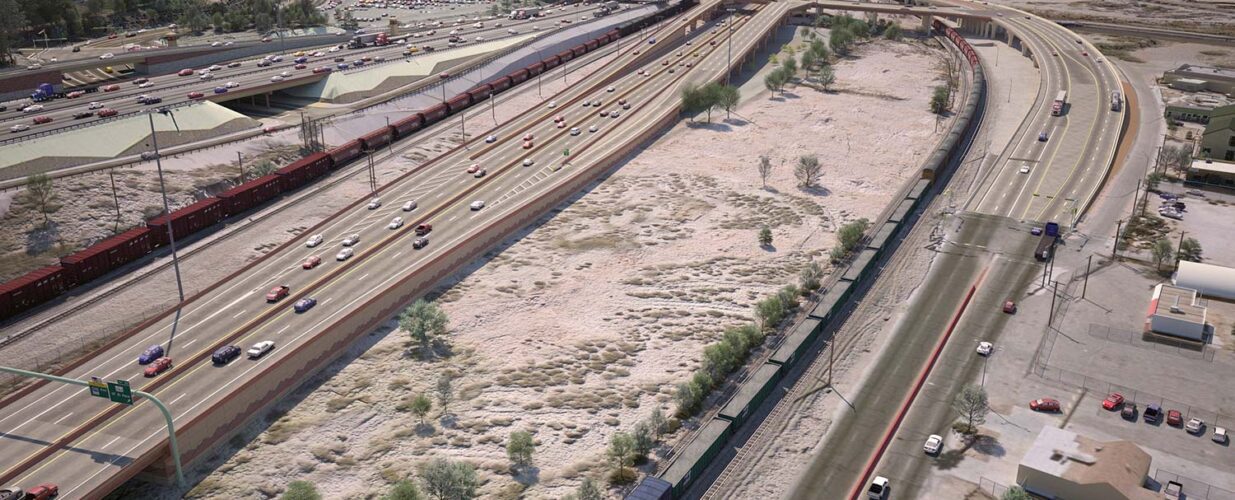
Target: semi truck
[(46, 92), (1046, 245), (369, 39), (606, 9), (1061, 100), (525, 13)]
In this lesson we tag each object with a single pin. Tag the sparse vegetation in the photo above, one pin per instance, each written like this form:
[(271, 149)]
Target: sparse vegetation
[(519, 448), (972, 405), (765, 169), (1015, 493), (1162, 251), (621, 455), (424, 321), (765, 237), (588, 490), (1190, 250), (810, 278), (808, 170), (420, 406), (849, 236), (445, 479), (40, 192), (776, 80), (941, 99), (826, 77), (444, 392), (301, 490), (403, 490)]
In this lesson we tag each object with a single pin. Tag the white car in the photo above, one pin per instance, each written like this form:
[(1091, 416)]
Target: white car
[(614, 114), (1220, 435), (587, 103), (32, 108), (20, 127), (108, 55), (1195, 426), (203, 71), (260, 349), (478, 204), (552, 104), (215, 67), (216, 44), (1025, 169), (94, 105), (878, 489), (344, 254), (593, 128), (491, 139), (933, 444), (144, 85), (527, 162), (575, 131), (480, 39), (231, 85), (314, 240), (985, 348), (409, 206), (276, 78), (396, 223), (374, 203), (286, 74), (207, 76), (333, 49), (351, 240), (610, 89)]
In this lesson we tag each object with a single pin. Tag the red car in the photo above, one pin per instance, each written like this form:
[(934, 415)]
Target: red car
[(196, 95), (158, 366), (1009, 307), (277, 293), (472, 169), (559, 119), (527, 137), (528, 144), (321, 69), (1045, 404), (1173, 417), (1113, 401), (111, 88), (311, 262), (43, 491), (423, 229), (105, 112), (39, 120), (300, 66), (186, 72)]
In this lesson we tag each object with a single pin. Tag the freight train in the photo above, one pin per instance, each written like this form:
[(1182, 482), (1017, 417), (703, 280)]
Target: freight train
[(46, 283)]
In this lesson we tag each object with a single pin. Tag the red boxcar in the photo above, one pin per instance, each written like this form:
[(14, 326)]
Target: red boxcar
[(434, 113), (519, 76), (480, 93), (592, 44), (501, 84), (535, 69), (105, 256), (376, 139), (250, 194), (185, 221), (304, 171), (566, 55), (459, 103), (552, 62), (34, 288), (408, 126), (341, 155)]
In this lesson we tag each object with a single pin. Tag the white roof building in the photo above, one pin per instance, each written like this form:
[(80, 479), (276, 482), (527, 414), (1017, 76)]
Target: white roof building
[(1207, 279)]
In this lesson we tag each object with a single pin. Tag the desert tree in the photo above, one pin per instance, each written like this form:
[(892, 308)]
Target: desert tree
[(519, 448), (301, 490), (790, 65), (687, 399), (719, 359), (808, 170), (892, 32), (449, 480), (41, 192), (710, 99), (424, 321), (421, 404), (1015, 493), (694, 100), (1190, 250), (657, 422), (403, 490), (588, 490), (643, 438), (1153, 180), (1162, 251), (826, 76), (728, 97), (811, 277), (765, 236), (972, 405), (621, 455), (808, 59), (820, 50), (841, 40), (444, 391), (940, 99), (765, 169)]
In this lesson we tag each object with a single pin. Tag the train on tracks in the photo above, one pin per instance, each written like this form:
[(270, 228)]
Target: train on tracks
[(45, 284)]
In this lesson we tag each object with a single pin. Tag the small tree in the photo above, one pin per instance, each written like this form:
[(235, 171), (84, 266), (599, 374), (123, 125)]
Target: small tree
[(765, 237), (421, 406), (301, 490), (772, 80), (808, 59), (769, 312), (621, 454), (728, 97), (972, 405), (940, 98), (810, 277), (656, 421), (520, 448), (686, 398), (893, 32), (765, 169), (1162, 251), (444, 392), (41, 193), (1015, 493), (404, 490), (449, 480), (1153, 180), (719, 359), (840, 40), (711, 98), (643, 439), (826, 77), (694, 100), (808, 170), (1190, 250), (820, 50), (589, 491), (423, 321), (790, 65), (851, 234)]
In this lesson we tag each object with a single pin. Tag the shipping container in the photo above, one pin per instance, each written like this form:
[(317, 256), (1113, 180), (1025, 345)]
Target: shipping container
[(434, 113), (519, 76), (185, 221), (832, 301), (84, 265), (344, 154), (105, 256), (902, 211), (408, 126), (697, 455), (241, 198), (34, 288), (879, 240), (751, 394), (501, 84), (458, 103), (376, 139), (303, 171), (796, 342), (861, 266)]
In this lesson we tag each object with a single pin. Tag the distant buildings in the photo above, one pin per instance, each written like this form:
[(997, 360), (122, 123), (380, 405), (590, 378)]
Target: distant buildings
[(1218, 140), (1194, 78)]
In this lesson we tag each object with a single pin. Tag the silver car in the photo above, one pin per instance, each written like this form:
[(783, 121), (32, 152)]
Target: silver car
[(478, 204), (260, 349), (351, 240), (314, 240), (344, 254), (409, 206)]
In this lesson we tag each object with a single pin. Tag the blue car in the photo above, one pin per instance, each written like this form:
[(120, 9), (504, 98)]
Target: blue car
[(225, 354), (343, 66), (150, 354), (304, 304), (1042, 137), (302, 60), (220, 90)]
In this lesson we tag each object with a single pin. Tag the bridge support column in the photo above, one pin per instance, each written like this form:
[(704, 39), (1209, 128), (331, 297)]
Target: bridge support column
[(926, 23), (267, 96)]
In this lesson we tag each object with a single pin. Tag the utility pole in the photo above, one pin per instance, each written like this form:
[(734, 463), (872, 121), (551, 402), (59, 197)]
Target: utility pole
[(240, 165), (1115, 247), (1179, 248), (729, 66), (1088, 265), (112, 173), (1050, 320), (372, 174)]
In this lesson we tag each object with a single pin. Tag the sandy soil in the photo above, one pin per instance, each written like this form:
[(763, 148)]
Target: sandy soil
[(672, 254), (1205, 16)]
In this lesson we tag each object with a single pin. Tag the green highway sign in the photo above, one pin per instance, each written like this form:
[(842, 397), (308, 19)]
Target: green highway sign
[(119, 392)]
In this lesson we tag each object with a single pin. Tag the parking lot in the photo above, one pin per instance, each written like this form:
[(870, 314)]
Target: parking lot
[(1207, 218)]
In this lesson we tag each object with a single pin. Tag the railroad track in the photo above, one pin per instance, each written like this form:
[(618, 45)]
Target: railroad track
[(440, 131)]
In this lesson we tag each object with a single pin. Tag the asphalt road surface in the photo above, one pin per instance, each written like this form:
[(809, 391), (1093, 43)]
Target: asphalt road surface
[(174, 89), (237, 309)]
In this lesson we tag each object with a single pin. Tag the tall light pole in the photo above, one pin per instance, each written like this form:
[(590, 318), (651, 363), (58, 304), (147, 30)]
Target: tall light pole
[(171, 235), (729, 29)]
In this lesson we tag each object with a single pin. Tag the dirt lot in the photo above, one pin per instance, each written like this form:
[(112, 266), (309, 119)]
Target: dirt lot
[(1205, 16), (672, 256)]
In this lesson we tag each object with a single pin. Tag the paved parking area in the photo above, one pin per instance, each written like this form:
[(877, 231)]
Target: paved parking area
[(1208, 220)]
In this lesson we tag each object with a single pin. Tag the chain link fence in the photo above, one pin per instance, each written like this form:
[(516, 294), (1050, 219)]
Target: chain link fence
[(1192, 488), (1132, 395), (1156, 343), (989, 486)]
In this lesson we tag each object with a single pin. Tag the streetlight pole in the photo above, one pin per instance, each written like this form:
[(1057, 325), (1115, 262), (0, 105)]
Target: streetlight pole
[(729, 29), (171, 236)]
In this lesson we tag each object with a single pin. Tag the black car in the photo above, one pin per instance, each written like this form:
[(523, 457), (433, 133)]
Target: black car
[(1129, 411), (420, 243), (152, 100), (339, 59), (225, 354), (83, 114)]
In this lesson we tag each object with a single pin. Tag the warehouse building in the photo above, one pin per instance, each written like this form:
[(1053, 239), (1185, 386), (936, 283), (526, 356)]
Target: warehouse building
[(1218, 140), (1193, 77), (1066, 466), (1177, 312), (1212, 173), (1207, 279)]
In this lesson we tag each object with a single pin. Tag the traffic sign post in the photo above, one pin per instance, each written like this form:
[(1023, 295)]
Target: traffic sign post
[(119, 392), (98, 388)]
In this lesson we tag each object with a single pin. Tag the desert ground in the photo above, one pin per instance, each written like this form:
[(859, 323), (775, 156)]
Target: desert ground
[(1205, 16), (581, 325)]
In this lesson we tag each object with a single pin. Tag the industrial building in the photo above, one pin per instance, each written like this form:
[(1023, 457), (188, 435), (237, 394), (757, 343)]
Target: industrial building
[(1196, 108), (1212, 173), (1177, 312), (1218, 140), (1197, 78), (1208, 280), (1067, 466)]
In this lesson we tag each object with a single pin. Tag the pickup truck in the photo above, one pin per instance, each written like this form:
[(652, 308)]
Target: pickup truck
[(1046, 245), (277, 293)]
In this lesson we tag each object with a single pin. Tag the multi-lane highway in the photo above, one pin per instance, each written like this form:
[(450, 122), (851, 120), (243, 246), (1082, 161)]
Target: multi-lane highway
[(235, 312), (174, 89)]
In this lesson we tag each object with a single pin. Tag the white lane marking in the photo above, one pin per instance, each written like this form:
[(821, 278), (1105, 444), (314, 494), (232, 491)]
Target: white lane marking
[(178, 398), (61, 419), (281, 330), (366, 275), (242, 311), (109, 443), (188, 342)]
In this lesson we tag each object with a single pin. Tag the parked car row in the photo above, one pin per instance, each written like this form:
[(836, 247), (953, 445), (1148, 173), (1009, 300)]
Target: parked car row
[(1154, 414)]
